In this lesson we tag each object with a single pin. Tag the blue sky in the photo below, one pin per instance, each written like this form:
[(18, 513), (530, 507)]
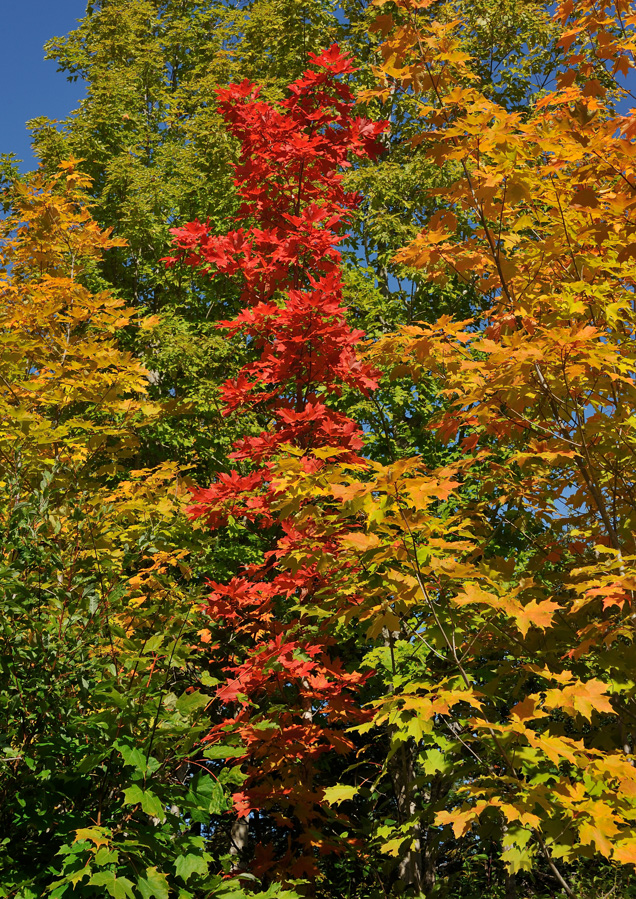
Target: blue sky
[(31, 86)]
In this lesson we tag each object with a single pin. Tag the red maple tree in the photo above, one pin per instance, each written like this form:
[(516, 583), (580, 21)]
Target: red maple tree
[(293, 214)]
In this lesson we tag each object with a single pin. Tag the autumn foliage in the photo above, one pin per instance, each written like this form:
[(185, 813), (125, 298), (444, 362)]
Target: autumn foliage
[(289, 179), (536, 220), (522, 650), (387, 648)]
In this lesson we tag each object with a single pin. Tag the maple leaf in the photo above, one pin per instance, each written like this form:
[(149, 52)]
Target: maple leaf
[(580, 698), (528, 709), (361, 541), (460, 821), (599, 836), (535, 613), (624, 852), (99, 836), (340, 793)]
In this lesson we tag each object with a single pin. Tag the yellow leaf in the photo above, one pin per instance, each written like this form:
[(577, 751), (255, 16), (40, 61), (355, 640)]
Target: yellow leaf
[(100, 836), (339, 793), (524, 817), (393, 847), (592, 833), (149, 322), (459, 821)]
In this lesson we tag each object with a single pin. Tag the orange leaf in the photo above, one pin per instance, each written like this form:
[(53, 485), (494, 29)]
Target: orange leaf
[(580, 698), (625, 852), (585, 196), (361, 541), (535, 614), (527, 709)]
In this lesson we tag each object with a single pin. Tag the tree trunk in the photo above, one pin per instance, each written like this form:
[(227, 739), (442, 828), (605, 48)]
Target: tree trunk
[(410, 870), (402, 774), (238, 845), (510, 885)]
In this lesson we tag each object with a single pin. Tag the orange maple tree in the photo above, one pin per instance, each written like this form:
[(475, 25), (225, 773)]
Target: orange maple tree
[(512, 567)]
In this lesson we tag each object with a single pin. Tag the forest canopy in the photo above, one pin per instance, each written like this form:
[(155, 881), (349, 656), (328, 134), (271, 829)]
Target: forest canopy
[(317, 444)]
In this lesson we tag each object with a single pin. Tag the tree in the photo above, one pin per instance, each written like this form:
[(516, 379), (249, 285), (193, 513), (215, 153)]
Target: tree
[(398, 584), (508, 570), (286, 690), (159, 155), (99, 709)]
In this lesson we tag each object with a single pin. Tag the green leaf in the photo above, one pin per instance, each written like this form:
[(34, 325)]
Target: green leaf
[(135, 757), (76, 876), (517, 858), (188, 703), (223, 752), (152, 765), (118, 887), (149, 801), (153, 644), (154, 885), (434, 761), (187, 865), (105, 856), (89, 762), (206, 794), (57, 893), (152, 806), (131, 755), (133, 795)]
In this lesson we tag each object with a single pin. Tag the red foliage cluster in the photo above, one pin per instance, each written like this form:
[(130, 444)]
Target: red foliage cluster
[(289, 178)]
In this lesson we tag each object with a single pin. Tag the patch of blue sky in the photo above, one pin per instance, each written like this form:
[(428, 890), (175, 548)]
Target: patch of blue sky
[(31, 85)]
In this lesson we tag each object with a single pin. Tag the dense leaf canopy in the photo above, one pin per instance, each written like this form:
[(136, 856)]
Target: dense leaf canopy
[(317, 429)]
